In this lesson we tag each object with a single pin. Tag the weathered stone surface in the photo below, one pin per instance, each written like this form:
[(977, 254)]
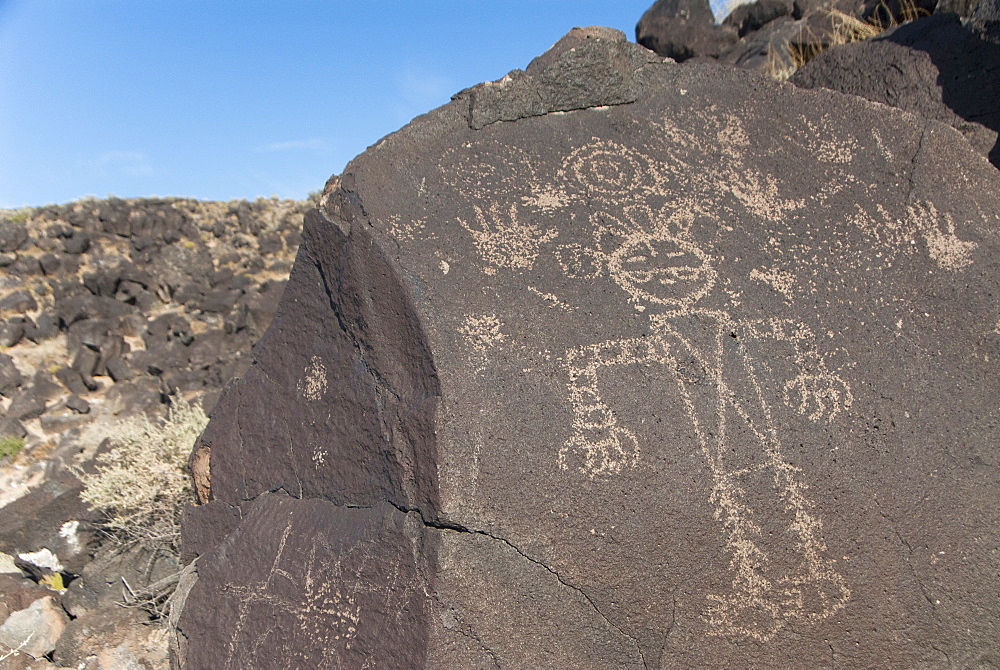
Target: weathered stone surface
[(18, 301), (36, 629), (10, 377), (683, 29), (100, 585), (935, 67), (559, 82), (37, 521), (12, 235), (753, 16), (704, 380), (985, 20), (305, 595), (113, 638), (17, 593)]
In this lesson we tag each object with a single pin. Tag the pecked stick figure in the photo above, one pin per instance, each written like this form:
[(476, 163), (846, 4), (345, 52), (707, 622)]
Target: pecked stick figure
[(651, 254), (667, 274)]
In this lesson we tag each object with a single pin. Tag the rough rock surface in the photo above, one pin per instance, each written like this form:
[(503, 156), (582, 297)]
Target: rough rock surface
[(35, 630), (935, 67), (707, 379), (683, 29)]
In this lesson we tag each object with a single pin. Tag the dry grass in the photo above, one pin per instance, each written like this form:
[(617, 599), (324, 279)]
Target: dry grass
[(785, 59), (141, 483)]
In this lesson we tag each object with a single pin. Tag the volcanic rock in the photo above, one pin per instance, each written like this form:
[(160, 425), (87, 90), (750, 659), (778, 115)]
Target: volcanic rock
[(707, 379), (935, 67), (113, 638), (985, 20), (753, 16), (12, 235), (683, 29), (10, 377), (36, 629), (87, 295)]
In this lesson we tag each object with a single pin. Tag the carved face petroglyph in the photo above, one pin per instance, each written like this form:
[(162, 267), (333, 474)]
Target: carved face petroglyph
[(662, 269)]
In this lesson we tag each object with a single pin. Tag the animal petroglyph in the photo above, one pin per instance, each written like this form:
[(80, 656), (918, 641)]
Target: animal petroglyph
[(609, 213)]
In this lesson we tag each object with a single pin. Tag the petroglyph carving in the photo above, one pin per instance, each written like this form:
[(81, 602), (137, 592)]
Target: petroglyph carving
[(647, 227), (482, 332), (781, 281), (922, 221), (943, 245), (314, 385), (326, 605), (502, 240)]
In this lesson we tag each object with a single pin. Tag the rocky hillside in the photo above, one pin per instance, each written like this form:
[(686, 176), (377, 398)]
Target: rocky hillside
[(112, 309)]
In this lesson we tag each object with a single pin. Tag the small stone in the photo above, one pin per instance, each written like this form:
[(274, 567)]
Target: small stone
[(72, 380), (10, 377), (78, 404), (26, 406), (7, 564), (36, 629), (11, 332), (77, 244), (12, 236), (50, 264), (18, 302)]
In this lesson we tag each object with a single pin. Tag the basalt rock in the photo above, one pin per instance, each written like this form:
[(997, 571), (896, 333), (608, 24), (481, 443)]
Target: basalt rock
[(707, 379), (935, 67), (683, 29)]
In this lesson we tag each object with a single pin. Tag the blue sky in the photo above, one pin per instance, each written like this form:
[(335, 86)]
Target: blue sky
[(222, 100)]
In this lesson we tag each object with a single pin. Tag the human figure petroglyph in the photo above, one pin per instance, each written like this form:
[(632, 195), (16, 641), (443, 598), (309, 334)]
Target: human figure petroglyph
[(609, 213), (666, 275), (651, 252)]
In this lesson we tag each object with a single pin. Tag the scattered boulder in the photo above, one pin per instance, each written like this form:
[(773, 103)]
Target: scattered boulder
[(683, 29), (50, 518), (646, 384), (17, 593), (89, 310), (34, 630), (985, 20), (12, 235), (114, 638), (750, 17), (10, 377)]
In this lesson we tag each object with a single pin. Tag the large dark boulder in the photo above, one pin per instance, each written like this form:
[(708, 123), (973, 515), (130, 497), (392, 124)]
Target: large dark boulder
[(707, 379), (683, 29), (935, 67), (753, 16)]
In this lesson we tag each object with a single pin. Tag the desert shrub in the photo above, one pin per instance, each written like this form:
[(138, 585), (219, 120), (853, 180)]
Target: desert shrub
[(141, 484), (846, 29), (10, 445)]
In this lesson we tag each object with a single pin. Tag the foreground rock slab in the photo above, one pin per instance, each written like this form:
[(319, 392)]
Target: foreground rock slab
[(704, 379)]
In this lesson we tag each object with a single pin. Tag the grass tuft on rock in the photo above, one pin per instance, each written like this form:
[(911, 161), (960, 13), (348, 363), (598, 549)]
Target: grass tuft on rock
[(11, 445)]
